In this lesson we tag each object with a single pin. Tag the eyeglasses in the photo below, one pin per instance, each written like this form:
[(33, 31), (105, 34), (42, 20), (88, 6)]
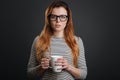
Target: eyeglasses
[(61, 17)]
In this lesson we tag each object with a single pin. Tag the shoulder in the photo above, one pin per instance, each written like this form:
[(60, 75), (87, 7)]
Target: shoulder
[(36, 39), (77, 38)]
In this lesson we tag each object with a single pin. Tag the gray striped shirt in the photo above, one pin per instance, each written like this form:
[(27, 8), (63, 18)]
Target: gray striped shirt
[(58, 46)]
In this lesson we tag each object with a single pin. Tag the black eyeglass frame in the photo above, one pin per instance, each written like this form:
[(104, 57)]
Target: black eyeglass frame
[(56, 17)]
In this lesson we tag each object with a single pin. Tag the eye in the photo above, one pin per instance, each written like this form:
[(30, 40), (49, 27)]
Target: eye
[(63, 16), (52, 16)]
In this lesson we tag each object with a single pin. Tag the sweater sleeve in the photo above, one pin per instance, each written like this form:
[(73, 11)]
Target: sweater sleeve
[(33, 66), (81, 60)]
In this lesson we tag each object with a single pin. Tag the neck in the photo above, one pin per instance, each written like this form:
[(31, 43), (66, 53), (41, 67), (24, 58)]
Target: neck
[(58, 34)]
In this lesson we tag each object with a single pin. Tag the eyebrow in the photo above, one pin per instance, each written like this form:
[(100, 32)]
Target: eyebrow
[(59, 15)]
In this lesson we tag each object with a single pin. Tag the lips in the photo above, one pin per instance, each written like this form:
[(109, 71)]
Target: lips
[(57, 25)]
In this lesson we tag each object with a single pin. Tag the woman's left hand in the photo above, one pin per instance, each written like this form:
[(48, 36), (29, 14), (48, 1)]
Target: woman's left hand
[(64, 62)]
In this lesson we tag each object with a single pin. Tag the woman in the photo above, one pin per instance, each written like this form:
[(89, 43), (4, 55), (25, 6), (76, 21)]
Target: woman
[(57, 38)]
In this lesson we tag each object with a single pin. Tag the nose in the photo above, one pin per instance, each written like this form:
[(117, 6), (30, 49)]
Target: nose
[(57, 19)]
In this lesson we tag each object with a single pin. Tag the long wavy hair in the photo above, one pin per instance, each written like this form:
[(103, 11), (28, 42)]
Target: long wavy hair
[(43, 42)]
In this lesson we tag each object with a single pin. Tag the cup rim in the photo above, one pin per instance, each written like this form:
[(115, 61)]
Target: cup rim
[(56, 56)]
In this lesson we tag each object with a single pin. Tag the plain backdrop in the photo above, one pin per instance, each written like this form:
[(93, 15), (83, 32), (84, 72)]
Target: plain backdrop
[(95, 21)]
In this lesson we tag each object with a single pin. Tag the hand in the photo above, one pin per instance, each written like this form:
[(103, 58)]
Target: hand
[(45, 63), (64, 64)]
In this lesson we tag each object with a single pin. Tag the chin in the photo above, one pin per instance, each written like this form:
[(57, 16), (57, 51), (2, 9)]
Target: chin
[(58, 29)]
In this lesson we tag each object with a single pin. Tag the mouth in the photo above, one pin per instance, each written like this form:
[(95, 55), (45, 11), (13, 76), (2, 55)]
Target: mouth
[(57, 25)]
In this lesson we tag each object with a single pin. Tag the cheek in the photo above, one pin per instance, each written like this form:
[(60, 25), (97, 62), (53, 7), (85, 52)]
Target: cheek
[(52, 24), (64, 24)]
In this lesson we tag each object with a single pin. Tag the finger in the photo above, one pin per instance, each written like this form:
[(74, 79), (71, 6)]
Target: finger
[(60, 59), (44, 62), (44, 67), (58, 64), (44, 59), (64, 67)]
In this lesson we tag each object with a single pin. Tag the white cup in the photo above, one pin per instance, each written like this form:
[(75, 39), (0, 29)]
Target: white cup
[(54, 67)]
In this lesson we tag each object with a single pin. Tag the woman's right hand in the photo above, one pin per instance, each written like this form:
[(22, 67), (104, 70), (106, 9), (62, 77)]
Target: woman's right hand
[(45, 63)]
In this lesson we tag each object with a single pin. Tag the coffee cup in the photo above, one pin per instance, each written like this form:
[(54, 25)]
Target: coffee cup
[(56, 68)]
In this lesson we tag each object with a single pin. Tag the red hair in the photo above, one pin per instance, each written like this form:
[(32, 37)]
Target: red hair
[(43, 42)]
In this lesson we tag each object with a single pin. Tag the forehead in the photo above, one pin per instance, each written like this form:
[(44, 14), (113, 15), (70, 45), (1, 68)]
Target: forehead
[(59, 11)]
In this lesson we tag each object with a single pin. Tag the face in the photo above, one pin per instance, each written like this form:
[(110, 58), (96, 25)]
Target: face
[(58, 19)]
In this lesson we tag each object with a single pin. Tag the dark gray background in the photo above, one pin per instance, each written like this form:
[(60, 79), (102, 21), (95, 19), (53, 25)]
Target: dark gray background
[(95, 21)]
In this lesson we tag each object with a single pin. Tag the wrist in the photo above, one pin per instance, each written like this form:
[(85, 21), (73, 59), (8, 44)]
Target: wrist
[(69, 68)]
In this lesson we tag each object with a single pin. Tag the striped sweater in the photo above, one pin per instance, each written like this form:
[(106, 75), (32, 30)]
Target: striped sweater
[(58, 46)]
